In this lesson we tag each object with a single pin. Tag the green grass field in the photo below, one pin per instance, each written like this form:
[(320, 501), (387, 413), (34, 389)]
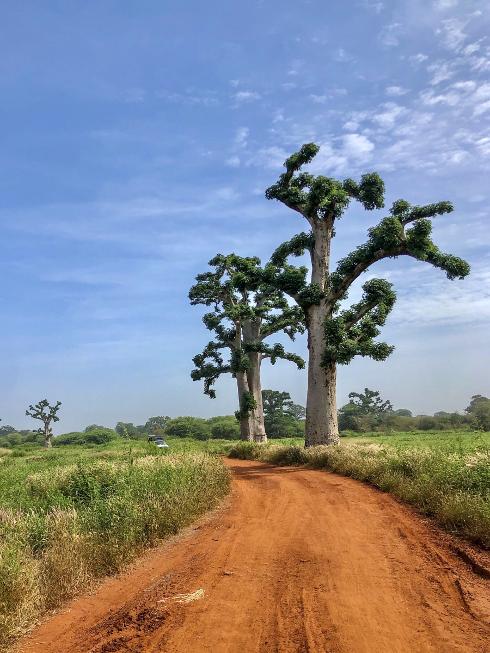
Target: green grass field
[(448, 441), (73, 514)]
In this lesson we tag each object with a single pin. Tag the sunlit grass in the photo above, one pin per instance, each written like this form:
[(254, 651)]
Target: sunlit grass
[(74, 514)]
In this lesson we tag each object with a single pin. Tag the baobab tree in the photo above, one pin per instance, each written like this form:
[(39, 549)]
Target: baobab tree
[(47, 414), (247, 310), (336, 336)]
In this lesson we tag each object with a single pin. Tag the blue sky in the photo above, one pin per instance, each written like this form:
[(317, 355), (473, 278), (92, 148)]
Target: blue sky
[(137, 141)]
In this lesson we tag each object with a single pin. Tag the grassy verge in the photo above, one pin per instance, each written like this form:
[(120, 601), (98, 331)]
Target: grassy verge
[(451, 486), (69, 517)]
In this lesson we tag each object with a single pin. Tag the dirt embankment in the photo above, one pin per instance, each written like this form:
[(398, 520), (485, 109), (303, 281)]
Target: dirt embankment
[(299, 560)]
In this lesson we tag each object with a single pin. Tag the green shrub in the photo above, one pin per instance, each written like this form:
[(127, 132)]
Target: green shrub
[(92, 435), (100, 435), (224, 427), (188, 427), (248, 450)]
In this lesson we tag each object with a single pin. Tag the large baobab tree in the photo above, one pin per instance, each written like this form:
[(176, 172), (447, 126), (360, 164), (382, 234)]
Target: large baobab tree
[(334, 335), (247, 310), (47, 414)]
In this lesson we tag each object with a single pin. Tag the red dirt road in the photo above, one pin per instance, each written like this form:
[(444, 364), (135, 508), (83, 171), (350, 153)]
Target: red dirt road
[(298, 561)]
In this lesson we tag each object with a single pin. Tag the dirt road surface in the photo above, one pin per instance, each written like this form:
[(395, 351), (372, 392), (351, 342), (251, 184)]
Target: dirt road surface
[(298, 561)]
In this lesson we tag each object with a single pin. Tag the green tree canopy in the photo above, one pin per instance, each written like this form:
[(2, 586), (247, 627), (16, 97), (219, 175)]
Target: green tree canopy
[(369, 402), (189, 427), (126, 430), (241, 298), (282, 416), (479, 410), (276, 402), (156, 424)]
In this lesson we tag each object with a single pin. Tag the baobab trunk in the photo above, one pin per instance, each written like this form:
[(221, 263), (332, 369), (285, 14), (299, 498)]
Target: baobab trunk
[(255, 387), (246, 422), (321, 405), (47, 438)]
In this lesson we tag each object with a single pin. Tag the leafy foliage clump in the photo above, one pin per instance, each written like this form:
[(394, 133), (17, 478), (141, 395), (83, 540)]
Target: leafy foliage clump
[(247, 309), (283, 418)]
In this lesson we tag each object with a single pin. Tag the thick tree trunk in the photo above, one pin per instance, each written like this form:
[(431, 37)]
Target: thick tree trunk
[(246, 422), (255, 386), (48, 438), (321, 405)]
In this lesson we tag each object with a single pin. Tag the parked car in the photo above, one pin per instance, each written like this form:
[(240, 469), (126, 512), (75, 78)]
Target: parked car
[(158, 441)]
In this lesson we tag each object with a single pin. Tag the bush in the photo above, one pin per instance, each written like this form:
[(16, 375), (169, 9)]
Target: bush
[(248, 450), (100, 435), (74, 437), (96, 435), (282, 425), (188, 427), (426, 423), (224, 427)]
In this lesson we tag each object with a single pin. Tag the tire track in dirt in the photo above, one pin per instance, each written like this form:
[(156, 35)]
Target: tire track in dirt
[(299, 561)]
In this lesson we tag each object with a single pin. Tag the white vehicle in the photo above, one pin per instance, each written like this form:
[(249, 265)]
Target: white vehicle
[(158, 441)]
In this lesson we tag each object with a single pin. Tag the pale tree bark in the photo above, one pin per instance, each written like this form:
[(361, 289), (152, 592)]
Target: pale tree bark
[(251, 334), (246, 421), (48, 434), (255, 386), (321, 406)]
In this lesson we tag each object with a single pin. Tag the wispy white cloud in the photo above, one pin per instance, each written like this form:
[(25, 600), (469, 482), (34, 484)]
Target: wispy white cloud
[(357, 146), (233, 161), (341, 55), (433, 299), (134, 95), (441, 71), (396, 91), (452, 33), (268, 157), (418, 58), (295, 67), (390, 35), (389, 114), (241, 97), (373, 5), (319, 99), (190, 97), (241, 137), (444, 5)]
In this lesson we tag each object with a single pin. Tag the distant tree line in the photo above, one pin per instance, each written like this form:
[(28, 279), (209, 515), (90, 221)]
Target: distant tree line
[(365, 412)]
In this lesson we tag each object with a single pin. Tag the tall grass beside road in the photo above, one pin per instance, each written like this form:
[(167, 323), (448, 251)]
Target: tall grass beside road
[(67, 519)]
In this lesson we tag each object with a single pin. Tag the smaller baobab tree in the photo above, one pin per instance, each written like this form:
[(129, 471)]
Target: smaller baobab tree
[(247, 310), (47, 414)]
